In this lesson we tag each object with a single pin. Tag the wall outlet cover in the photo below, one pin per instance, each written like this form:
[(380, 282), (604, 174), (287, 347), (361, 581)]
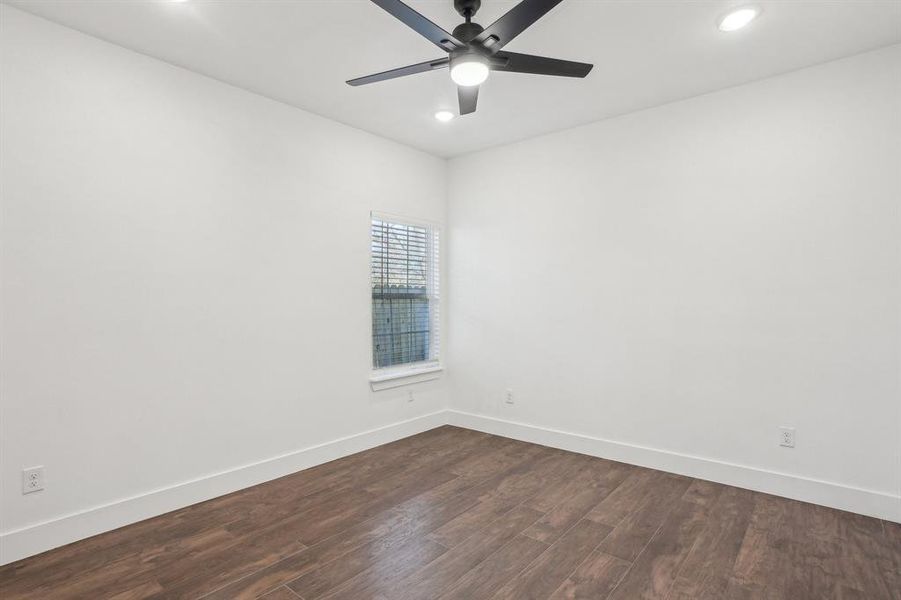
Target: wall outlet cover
[(32, 480), (787, 437)]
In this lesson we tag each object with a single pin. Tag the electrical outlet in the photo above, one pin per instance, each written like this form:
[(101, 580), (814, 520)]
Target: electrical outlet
[(787, 437), (32, 480), (410, 396), (508, 397)]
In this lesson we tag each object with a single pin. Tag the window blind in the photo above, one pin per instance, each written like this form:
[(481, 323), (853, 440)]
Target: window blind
[(405, 298)]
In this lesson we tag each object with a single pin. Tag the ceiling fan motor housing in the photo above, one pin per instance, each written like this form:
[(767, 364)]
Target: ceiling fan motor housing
[(466, 32)]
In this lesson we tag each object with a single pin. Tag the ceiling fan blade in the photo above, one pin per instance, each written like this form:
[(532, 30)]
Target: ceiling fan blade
[(468, 97), (539, 65), (422, 67), (421, 25), (517, 19)]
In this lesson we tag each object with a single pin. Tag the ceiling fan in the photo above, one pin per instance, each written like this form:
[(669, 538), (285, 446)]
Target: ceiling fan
[(474, 51)]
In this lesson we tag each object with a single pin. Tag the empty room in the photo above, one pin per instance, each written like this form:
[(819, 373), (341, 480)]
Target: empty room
[(450, 299)]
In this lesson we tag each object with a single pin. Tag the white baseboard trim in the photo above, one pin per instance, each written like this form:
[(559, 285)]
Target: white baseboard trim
[(40, 537), (826, 493)]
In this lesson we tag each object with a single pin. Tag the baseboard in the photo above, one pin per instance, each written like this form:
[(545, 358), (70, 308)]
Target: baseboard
[(826, 493), (37, 538), (40, 537)]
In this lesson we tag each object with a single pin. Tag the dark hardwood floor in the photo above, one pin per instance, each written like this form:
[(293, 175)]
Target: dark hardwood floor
[(453, 513)]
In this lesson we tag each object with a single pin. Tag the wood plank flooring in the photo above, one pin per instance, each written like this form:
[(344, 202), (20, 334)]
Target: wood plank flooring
[(457, 514)]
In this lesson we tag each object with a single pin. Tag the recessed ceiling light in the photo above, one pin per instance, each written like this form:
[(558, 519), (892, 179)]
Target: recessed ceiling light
[(444, 115), (738, 18)]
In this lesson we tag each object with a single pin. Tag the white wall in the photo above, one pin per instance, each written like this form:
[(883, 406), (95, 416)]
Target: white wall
[(185, 279), (688, 278), (185, 266)]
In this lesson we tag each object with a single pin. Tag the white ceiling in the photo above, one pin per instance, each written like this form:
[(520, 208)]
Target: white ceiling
[(645, 52)]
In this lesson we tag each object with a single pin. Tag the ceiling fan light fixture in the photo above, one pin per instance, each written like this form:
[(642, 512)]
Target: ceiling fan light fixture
[(738, 18), (469, 70), (474, 51)]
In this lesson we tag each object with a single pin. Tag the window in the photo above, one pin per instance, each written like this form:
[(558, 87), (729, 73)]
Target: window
[(405, 302)]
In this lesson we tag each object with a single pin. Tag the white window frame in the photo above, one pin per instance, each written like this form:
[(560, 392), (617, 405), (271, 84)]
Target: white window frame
[(415, 372)]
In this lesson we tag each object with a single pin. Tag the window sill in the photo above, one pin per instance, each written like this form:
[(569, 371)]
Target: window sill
[(399, 377)]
